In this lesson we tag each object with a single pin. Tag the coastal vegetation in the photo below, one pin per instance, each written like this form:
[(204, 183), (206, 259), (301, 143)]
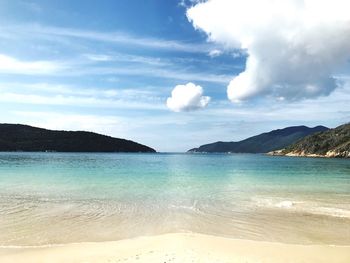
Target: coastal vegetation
[(16, 137), (330, 143), (262, 143)]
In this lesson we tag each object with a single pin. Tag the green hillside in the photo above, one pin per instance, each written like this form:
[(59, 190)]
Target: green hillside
[(330, 143), (16, 137)]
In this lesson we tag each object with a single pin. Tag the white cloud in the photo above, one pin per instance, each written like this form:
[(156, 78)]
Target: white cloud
[(188, 3), (294, 47), (37, 31), (82, 101), (154, 71), (215, 53), (98, 57), (73, 121), (119, 57), (14, 66), (42, 88), (187, 98), (144, 66)]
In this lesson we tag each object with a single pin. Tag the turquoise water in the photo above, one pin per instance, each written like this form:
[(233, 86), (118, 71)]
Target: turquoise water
[(50, 198)]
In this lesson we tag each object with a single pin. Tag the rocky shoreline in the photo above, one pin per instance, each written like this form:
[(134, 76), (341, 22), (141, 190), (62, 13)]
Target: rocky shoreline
[(329, 154)]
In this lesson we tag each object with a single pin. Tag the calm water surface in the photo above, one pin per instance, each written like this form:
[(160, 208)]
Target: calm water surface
[(50, 198)]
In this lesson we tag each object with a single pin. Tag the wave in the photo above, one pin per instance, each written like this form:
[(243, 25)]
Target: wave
[(302, 206)]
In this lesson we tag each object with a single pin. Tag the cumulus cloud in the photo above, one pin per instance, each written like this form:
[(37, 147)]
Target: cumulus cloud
[(187, 97), (293, 47)]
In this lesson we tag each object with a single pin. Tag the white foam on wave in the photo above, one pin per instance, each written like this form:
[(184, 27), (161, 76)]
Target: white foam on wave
[(192, 207), (285, 204), (309, 207), (331, 211), (273, 203)]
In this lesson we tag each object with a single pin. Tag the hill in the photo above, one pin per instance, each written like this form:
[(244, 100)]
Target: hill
[(263, 143), (16, 137), (330, 143)]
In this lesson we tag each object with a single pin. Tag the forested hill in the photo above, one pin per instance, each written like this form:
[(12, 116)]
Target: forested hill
[(16, 137), (330, 143), (263, 143)]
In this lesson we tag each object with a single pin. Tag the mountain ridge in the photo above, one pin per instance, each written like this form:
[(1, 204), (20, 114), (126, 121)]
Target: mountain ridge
[(19, 137), (261, 143), (331, 143)]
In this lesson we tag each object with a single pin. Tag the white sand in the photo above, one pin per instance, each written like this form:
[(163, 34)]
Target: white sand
[(178, 248)]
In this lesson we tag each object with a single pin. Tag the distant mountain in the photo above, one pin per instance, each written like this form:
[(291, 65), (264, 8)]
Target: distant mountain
[(330, 143), (16, 137), (262, 143)]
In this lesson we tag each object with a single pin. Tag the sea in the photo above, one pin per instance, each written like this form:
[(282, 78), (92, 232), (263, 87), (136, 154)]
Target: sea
[(57, 198)]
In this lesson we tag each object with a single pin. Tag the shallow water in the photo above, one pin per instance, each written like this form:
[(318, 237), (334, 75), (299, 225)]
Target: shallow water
[(50, 198)]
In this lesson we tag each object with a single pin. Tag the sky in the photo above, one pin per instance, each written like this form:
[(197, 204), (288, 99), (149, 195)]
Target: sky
[(174, 74)]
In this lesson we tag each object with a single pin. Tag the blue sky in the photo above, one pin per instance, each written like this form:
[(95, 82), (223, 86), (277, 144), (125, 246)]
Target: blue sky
[(110, 66)]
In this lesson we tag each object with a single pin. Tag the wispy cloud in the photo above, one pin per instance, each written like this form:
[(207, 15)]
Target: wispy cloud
[(153, 68), (119, 57), (215, 53), (41, 31), (71, 90), (157, 72), (110, 125), (63, 100), (11, 65), (331, 110)]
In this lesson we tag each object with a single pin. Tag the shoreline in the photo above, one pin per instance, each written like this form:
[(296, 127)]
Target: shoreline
[(330, 155), (177, 247)]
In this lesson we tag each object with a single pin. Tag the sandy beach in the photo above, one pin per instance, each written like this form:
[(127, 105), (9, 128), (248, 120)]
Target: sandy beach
[(177, 247)]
